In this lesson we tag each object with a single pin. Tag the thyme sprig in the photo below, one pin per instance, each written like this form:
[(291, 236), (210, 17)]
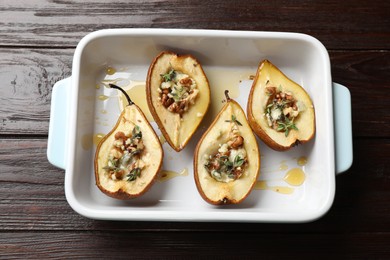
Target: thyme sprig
[(113, 165), (226, 165), (134, 174), (168, 76), (234, 120), (286, 126), (238, 161)]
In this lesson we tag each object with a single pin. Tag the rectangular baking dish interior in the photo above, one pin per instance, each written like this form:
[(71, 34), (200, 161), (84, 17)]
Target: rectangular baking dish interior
[(228, 59)]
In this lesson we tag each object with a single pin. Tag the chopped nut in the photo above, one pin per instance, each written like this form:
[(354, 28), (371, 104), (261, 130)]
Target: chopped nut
[(120, 135), (237, 142), (270, 90), (119, 174), (173, 107), (166, 101), (178, 93), (186, 82)]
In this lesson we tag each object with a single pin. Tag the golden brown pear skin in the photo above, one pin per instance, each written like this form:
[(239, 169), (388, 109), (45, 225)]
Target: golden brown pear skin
[(177, 129), (152, 156), (269, 75), (211, 190)]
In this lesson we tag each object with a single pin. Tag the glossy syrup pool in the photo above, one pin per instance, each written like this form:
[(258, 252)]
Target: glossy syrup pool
[(167, 175), (293, 177)]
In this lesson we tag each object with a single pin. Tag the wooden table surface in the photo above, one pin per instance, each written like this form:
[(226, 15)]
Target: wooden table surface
[(37, 42)]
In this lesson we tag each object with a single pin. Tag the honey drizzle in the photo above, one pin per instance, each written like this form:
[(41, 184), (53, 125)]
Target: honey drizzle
[(110, 71), (262, 185), (293, 177), (137, 92), (97, 138), (301, 161), (167, 175), (224, 79), (102, 97)]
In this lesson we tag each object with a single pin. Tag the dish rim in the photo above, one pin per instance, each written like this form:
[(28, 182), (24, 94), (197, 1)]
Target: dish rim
[(89, 212)]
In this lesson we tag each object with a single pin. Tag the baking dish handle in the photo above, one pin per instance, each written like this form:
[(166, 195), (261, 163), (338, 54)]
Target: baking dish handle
[(57, 140), (342, 127)]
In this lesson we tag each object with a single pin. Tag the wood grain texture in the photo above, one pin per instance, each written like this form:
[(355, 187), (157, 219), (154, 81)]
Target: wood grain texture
[(338, 24), (32, 197), (209, 245), (27, 77), (367, 76)]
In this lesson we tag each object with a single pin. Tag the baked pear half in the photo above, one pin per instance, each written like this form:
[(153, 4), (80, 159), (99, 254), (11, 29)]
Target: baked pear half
[(227, 157), (129, 157), (279, 110), (178, 96)]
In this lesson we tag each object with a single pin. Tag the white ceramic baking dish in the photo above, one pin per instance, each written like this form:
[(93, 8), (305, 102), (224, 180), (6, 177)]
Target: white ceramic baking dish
[(83, 108)]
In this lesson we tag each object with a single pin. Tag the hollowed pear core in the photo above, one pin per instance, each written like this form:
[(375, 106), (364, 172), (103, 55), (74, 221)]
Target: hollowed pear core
[(279, 110), (178, 96), (227, 158), (129, 157)]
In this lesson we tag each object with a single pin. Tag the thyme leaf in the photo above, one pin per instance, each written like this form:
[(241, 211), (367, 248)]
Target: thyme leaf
[(224, 157), (238, 161), (110, 168), (287, 126), (168, 76), (134, 174), (136, 133), (234, 120)]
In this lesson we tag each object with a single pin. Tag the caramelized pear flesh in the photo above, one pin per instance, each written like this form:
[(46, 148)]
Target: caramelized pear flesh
[(129, 157), (178, 96), (227, 158), (279, 110)]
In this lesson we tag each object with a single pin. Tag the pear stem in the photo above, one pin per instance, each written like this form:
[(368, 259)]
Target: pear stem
[(227, 95), (124, 93)]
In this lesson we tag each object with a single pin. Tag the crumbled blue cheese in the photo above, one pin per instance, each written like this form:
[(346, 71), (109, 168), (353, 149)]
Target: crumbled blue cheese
[(276, 113), (166, 84), (222, 177), (241, 152), (118, 143), (224, 148)]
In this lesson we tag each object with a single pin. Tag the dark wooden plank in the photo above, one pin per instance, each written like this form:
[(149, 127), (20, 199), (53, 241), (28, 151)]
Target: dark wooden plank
[(32, 197), (338, 24), (28, 75), (184, 245), (367, 75)]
